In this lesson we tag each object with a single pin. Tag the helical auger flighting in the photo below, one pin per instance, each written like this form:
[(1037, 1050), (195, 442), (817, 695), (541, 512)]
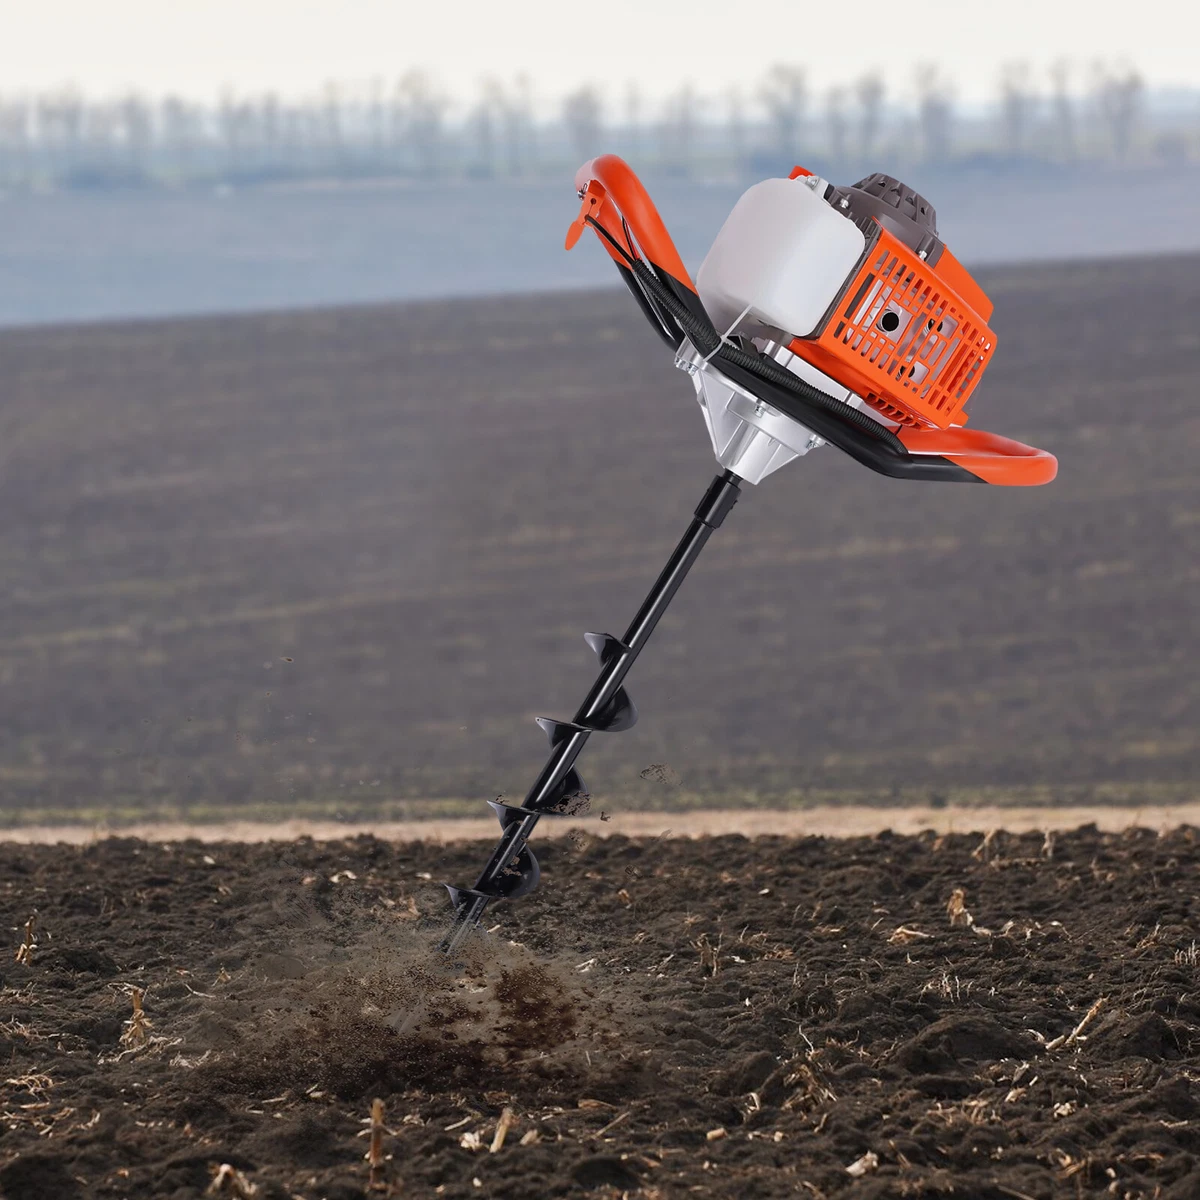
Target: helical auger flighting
[(559, 791)]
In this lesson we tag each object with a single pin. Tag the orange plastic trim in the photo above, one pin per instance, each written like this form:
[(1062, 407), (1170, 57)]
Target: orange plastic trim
[(597, 205), (609, 178), (993, 458), (960, 279), (852, 348)]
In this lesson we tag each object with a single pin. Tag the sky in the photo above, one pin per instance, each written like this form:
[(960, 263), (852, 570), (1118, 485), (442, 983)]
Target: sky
[(198, 48)]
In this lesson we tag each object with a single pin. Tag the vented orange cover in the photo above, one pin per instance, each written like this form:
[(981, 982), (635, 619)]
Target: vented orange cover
[(904, 337)]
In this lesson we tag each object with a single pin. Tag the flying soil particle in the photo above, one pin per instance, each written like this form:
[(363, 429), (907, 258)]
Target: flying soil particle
[(391, 1014), (660, 773)]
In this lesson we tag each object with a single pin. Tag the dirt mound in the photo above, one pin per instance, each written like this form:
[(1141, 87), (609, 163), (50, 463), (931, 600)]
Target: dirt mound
[(878, 1017), (962, 1040)]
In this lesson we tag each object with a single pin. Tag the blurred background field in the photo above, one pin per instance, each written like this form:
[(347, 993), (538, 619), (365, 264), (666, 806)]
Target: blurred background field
[(336, 562), (303, 519)]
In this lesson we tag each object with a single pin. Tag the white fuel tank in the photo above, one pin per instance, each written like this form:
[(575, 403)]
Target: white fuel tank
[(785, 253)]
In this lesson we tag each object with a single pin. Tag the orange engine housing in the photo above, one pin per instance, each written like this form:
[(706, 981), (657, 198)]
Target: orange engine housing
[(911, 338)]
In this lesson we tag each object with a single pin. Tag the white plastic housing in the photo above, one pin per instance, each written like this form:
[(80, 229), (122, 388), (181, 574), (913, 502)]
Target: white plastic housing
[(749, 437), (785, 253)]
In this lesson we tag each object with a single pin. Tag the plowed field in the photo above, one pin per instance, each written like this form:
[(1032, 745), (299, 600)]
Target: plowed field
[(1013, 1016)]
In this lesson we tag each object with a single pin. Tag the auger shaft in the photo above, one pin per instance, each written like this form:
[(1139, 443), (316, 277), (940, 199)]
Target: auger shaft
[(604, 708)]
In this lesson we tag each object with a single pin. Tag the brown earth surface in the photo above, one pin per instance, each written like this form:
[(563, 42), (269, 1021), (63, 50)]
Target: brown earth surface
[(1011, 1016), (333, 563)]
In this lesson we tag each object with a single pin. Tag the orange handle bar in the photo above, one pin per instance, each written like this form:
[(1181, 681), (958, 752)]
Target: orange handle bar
[(611, 191), (993, 458)]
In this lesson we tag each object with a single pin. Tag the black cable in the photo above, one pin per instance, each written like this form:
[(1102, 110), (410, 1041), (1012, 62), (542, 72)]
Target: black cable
[(663, 325), (628, 237), (710, 344)]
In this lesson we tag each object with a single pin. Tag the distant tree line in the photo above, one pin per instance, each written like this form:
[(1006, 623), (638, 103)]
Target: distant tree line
[(410, 128)]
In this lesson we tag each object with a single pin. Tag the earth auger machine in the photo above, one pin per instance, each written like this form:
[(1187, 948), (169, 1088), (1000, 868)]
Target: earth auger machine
[(821, 314)]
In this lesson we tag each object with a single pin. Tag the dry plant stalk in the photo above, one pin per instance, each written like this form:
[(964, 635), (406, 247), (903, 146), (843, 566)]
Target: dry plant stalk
[(1066, 1164), (227, 1180), (502, 1127), (983, 852), (137, 1028), (28, 945), (710, 962), (956, 909), (1069, 1039), (965, 1113), (36, 1083), (376, 1162), (617, 1120), (1187, 957), (860, 1166), (903, 934), (810, 1089)]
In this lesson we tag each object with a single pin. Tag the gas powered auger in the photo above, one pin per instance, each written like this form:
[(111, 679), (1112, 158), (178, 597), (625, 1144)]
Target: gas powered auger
[(820, 314)]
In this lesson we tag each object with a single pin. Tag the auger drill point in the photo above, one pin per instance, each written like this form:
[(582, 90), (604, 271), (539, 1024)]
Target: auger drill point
[(821, 314)]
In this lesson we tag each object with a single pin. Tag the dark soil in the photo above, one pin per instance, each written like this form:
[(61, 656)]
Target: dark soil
[(663, 1018)]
